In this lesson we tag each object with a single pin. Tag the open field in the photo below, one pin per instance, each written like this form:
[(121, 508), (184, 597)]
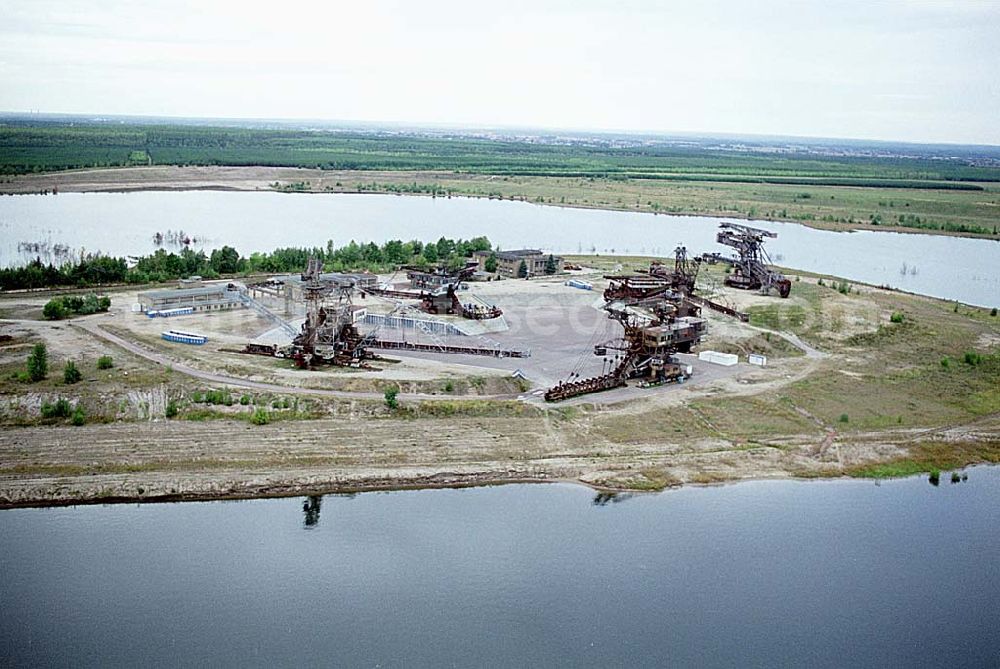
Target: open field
[(848, 390), (828, 183)]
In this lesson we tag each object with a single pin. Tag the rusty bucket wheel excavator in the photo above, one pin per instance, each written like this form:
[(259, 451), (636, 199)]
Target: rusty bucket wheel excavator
[(328, 335), (654, 330), (751, 266)]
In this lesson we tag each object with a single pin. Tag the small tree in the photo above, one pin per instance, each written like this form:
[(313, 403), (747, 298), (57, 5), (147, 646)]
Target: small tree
[(491, 265), (79, 417), (71, 374), (522, 270), (390, 397), (550, 265), (54, 310), (38, 363)]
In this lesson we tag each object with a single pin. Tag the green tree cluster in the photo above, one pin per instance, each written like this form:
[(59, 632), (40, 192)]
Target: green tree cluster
[(61, 307)]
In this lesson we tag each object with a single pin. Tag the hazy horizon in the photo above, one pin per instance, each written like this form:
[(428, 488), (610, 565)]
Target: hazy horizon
[(908, 71)]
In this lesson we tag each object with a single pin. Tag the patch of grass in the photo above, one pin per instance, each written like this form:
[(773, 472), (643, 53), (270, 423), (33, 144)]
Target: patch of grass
[(931, 457), (884, 334), (105, 362), (260, 416), (648, 479), (219, 397), (466, 408)]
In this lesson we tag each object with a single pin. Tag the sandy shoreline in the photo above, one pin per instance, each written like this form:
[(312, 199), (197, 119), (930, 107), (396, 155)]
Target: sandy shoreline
[(216, 460)]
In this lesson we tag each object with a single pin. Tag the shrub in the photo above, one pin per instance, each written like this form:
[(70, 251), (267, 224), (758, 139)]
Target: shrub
[(105, 362), (934, 477), (390, 398), (449, 387), (213, 397), (244, 400), (61, 409), (955, 477), (972, 358), (54, 310), (993, 311), (38, 363), (844, 418), (171, 409), (79, 417), (897, 317), (71, 374), (945, 361), (260, 416)]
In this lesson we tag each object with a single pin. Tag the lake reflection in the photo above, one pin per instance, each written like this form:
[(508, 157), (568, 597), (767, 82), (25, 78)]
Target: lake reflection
[(828, 573)]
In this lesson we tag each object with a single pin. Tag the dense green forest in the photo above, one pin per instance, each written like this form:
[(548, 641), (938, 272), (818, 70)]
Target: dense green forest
[(27, 147), (164, 266)]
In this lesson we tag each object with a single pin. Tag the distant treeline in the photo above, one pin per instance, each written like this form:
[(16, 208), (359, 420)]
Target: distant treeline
[(44, 146), (165, 266)]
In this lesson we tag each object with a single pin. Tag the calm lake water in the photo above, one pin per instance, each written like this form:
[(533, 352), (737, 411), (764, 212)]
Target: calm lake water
[(771, 573), (124, 223)]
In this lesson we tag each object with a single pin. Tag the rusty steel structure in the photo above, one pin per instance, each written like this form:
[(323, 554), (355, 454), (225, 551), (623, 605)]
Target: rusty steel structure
[(660, 282), (444, 300), (645, 351), (684, 274), (752, 266), (328, 335)]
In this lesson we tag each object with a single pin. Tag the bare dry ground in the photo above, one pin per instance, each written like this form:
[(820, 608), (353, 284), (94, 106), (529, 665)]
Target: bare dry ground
[(846, 391)]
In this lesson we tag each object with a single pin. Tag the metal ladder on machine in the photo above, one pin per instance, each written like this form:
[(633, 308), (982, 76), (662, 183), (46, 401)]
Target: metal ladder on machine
[(285, 326), (422, 326), (418, 323)]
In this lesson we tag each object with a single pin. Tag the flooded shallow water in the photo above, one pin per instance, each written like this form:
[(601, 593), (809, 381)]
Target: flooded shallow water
[(124, 223), (826, 573)]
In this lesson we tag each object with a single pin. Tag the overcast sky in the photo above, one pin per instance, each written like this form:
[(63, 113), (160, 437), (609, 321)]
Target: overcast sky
[(904, 70)]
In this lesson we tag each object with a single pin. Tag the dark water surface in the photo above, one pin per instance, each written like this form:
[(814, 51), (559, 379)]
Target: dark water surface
[(124, 224), (778, 573)]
